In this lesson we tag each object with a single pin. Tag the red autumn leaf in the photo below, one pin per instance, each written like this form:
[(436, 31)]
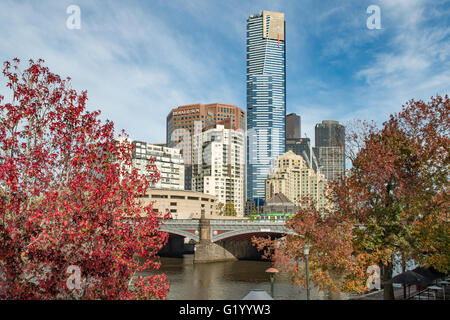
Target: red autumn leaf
[(68, 199)]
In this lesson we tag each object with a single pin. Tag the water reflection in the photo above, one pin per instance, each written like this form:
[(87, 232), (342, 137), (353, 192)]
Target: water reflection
[(227, 280)]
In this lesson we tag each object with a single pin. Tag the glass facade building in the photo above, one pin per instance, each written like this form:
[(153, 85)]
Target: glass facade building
[(266, 97), (301, 147), (330, 148)]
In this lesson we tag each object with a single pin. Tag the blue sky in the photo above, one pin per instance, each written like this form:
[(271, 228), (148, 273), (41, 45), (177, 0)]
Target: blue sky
[(139, 59)]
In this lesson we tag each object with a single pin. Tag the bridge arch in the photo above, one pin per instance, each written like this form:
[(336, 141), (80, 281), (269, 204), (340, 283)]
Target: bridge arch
[(234, 233), (180, 232)]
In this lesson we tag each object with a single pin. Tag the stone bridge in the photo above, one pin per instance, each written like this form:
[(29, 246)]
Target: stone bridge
[(219, 240)]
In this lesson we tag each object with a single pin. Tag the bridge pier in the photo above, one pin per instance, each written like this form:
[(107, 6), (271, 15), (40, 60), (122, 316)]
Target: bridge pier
[(211, 252), (206, 250)]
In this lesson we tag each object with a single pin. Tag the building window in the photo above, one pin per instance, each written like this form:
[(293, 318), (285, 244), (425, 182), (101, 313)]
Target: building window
[(157, 196), (173, 203)]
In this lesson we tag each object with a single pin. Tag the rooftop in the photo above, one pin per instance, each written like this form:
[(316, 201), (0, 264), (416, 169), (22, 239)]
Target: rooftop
[(279, 199)]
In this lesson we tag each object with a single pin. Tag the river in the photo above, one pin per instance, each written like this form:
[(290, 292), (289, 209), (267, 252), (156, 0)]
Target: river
[(231, 280)]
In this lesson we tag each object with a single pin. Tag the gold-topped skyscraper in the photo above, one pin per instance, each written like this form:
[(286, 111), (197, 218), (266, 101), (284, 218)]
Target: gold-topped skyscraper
[(266, 97)]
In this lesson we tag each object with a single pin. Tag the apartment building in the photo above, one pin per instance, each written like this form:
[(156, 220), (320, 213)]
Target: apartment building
[(219, 164)]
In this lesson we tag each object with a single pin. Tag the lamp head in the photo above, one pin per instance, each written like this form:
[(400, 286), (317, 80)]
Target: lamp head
[(306, 248), (272, 271)]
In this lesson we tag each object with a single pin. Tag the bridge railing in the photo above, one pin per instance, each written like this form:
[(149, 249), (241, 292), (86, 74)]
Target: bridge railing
[(247, 221), (225, 222), (181, 221)]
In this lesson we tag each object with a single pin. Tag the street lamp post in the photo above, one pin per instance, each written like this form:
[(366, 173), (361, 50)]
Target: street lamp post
[(306, 248), (272, 272)]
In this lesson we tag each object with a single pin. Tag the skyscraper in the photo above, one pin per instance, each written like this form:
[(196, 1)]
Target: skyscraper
[(266, 97), (294, 142), (293, 126), (301, 147), (329, 133), (219, 164), (330, 148)]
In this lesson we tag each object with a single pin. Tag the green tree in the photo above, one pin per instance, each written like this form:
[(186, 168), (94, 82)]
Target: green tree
[(229, 210), (220, 207)]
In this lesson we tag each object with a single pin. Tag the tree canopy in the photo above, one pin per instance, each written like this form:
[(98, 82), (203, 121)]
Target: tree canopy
[(68, 197), (394, 200)]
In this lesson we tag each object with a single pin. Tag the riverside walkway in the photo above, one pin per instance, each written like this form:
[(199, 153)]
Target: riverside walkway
[(379, 295), (433, 292)]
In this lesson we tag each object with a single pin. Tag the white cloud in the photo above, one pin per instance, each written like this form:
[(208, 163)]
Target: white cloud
[(135, 66), (137, 63), (416, 66)]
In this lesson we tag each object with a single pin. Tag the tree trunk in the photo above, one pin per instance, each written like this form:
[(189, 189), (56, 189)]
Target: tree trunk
[(332, 294), (403, 270), (387, 277)]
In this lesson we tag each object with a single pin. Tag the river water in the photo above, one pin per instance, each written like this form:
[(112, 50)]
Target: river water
[(231, 280)]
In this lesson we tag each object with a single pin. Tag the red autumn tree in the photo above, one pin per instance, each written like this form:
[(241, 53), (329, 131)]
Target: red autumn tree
[(333, 262), (68, 198), (427, 126), (397, 190), (394, 201)]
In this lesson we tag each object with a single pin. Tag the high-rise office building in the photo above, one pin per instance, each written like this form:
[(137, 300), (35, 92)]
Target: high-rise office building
[(184, 121), (329, 133), (219, 164), (330, 148), (301, 147), (266, 97), (293, 126)]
